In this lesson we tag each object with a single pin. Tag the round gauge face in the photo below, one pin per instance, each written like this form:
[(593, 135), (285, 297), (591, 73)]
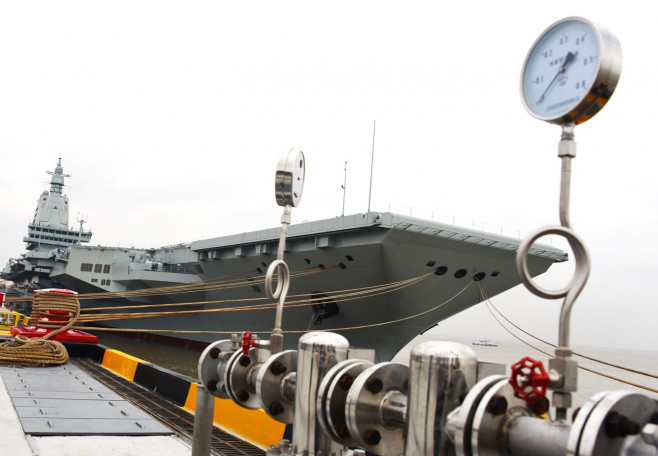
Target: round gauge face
[(561, 69)]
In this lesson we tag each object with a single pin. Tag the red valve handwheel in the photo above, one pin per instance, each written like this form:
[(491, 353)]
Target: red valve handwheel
[(529, 380), (247, 343)]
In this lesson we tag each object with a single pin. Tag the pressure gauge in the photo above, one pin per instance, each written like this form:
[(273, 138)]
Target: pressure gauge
[(289, 180), (570, 72)]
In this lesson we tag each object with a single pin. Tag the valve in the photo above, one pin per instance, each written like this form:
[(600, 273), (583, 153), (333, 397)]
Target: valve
[(247, 342), (529, 380)]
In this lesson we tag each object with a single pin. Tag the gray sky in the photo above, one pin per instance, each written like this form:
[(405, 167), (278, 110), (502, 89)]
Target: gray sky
[(170, 116)]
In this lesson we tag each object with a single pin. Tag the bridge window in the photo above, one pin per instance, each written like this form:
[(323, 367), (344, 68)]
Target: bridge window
[(86, 267), (98, 268), (106, 269)]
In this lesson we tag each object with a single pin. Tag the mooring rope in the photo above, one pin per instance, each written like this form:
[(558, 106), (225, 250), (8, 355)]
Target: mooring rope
[(407, 283), (488, 303), (218, 283), (335, 296), (51, 310)]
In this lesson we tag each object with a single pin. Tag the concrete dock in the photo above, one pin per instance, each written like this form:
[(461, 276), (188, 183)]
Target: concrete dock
[(106, 402), (22, 444)]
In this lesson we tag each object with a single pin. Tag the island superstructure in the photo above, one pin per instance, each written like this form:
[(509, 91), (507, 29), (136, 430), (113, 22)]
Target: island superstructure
[(48, 236)]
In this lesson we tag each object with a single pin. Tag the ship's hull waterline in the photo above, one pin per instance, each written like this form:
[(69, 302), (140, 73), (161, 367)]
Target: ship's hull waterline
[(346, 253)]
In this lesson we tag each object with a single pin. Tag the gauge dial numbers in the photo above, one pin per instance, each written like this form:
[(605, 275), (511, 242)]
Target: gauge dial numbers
[(570, 72)]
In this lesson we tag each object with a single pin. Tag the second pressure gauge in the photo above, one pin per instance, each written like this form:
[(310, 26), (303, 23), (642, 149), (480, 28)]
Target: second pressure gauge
[(570, 72)]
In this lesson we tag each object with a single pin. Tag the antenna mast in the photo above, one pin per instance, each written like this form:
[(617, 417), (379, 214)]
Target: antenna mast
[(344, 187), (372, 161)]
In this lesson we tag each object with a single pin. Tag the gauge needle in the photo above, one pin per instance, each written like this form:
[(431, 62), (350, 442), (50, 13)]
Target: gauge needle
[(567, 60)]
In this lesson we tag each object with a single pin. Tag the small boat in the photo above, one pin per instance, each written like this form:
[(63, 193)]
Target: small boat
[(485, 343)]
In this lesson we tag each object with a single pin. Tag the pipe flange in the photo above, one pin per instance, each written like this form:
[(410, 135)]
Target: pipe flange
[(270, 386), (239, 386), (497, 407), (462, 423), (212, 364), (363, 408), (332, 395), (608, 419)]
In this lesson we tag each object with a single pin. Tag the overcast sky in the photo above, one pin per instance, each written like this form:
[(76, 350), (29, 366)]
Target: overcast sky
[(171, 116)]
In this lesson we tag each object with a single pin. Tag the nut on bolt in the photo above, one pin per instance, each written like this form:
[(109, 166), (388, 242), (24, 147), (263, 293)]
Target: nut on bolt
[(374, 385), (345, 381), (277, 368), (497, 405), (373, 437), (541, 406), (276, 409), (617, 425)]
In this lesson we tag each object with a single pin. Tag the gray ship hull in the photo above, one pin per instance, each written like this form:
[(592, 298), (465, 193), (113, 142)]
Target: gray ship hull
[(345, 253)]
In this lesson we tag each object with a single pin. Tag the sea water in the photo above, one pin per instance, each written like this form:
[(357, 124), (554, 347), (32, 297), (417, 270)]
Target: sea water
[(185, 361)]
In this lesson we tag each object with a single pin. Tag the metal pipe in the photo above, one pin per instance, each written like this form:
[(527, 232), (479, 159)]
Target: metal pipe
[(318, 352), (566, 151), (537, 437), (203, 422), (394, 409), (288, 386), (441, 373)]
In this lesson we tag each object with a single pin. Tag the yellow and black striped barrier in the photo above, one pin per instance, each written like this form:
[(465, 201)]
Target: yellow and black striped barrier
[(254, 426)]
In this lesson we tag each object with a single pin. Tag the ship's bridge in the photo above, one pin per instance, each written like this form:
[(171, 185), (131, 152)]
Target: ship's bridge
[(38, 235)]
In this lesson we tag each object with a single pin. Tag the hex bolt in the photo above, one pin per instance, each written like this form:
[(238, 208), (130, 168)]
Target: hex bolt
[(497, 405), (212, 385), (276, 408), (277, 368), (541, 406), (374, 385), (244, 361), (345, 382), (617, 425), (214, 352), (373, 437), (630, 427)]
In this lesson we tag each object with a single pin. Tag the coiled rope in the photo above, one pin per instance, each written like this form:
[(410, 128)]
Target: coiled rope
[(50, 310), (490, 305)]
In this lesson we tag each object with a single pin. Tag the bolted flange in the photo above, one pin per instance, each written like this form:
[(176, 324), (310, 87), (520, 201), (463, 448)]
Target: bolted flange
[(274, 385), (212, 364), (332, 395), (364, 404), (240, 377)]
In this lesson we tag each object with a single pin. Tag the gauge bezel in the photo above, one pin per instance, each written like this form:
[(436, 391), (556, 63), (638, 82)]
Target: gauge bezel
[(604, 82)]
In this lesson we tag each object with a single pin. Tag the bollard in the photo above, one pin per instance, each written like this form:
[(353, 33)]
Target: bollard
[(203, 423), (318, 352)]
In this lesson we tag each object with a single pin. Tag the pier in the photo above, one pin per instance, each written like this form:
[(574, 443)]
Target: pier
[(107, 401)]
